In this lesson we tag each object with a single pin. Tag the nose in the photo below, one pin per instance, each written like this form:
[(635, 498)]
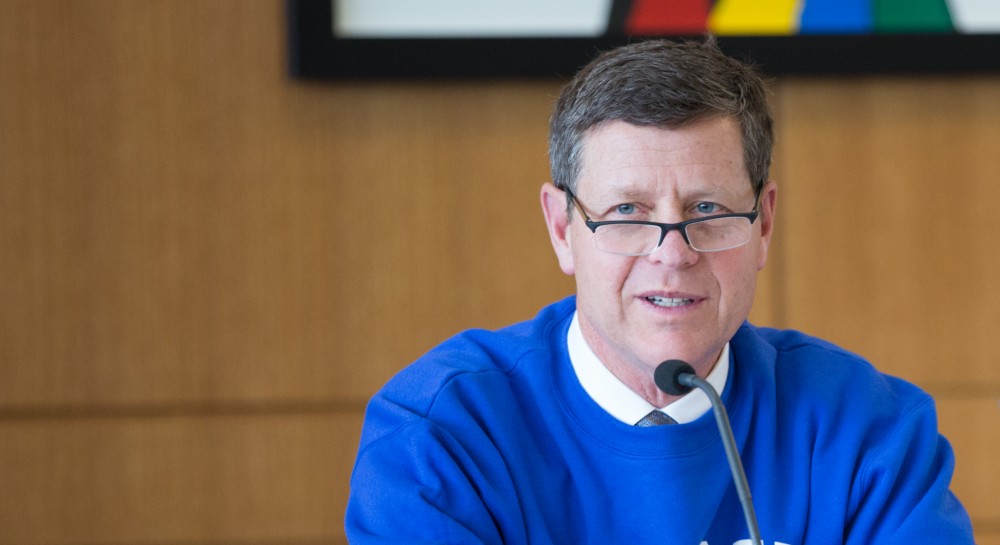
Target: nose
[(674, 251)]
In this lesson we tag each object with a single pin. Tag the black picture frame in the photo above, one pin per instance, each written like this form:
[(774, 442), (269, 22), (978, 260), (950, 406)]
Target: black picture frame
[(315, 53)]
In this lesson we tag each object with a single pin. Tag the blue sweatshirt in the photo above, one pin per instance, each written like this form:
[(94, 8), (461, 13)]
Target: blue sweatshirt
[(490, 439)]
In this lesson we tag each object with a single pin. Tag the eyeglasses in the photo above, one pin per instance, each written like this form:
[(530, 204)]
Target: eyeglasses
[(638, 238)]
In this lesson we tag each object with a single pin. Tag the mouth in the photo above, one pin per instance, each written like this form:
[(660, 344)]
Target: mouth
[(669, 302)]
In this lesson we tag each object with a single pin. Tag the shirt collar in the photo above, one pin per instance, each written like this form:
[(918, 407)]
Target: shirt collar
[(619, 400)]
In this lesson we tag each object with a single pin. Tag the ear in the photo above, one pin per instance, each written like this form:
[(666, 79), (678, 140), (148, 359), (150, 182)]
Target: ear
[(768, 203), (557, 220)]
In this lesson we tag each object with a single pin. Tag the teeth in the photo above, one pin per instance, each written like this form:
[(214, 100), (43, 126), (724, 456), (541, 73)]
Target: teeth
[(669, 301)]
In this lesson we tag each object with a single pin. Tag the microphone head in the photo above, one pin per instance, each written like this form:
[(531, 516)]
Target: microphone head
[(667, 377)]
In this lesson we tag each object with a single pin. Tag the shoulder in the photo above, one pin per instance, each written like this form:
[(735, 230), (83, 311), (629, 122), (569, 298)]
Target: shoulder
[(470, 367), (885, 465), (810, 368), (479, 350), (791, 344)]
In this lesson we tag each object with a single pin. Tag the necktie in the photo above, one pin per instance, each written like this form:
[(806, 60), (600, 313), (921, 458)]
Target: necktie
[(655, 418)]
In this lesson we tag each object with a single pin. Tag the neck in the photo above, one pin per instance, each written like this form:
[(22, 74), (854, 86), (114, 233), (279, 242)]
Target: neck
[(637, 375)]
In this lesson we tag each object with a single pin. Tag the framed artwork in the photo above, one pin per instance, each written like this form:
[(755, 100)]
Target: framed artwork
[(338, 39)]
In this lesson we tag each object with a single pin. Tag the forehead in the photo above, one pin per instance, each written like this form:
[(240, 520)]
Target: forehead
[(705, 156)]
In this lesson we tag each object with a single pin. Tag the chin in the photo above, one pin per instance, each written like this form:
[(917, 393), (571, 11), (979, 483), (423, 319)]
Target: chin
[(696, 354)]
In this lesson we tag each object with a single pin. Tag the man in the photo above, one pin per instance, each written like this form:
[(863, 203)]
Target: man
[(549, 431)]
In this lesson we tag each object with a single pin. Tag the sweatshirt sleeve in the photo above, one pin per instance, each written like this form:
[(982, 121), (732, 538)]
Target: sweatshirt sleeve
[(902, 492), (416, 486)]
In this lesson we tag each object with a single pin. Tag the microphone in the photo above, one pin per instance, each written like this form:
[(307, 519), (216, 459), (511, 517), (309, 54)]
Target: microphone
[(676, 378)]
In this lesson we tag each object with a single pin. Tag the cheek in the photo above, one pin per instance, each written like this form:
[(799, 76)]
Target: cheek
[(598, 274), (738, 281)]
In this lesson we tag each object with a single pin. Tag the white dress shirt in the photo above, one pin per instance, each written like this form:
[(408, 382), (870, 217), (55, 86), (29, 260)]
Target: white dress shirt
[(620, 401)]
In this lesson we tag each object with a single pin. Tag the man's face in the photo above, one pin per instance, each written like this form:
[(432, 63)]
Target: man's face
[(636, 312)]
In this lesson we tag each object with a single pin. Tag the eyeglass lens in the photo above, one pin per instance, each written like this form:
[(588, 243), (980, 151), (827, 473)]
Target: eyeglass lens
[(713, 235)]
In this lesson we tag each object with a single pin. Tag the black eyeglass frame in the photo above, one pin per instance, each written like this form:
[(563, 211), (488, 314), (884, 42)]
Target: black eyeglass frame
[(667, 227)]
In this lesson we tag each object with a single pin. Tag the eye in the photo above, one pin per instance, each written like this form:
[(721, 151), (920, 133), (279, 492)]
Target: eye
[(626, 209), (706, 207)]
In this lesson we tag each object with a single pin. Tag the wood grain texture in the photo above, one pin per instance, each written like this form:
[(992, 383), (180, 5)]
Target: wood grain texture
[(891, 231), (209, 479), (184, 223), (972, 425), (206, 267)]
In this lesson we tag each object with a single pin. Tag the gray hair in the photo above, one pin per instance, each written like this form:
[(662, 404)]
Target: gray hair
[(663, 84)]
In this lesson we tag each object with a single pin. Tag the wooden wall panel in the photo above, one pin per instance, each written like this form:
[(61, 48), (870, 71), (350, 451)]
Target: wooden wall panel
[(890, 227), (888, 235), (988, 538), (254, 478), (207, 267), (185, 224), (972, 425)]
